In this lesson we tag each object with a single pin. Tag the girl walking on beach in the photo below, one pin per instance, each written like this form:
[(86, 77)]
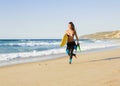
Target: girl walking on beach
[(71, 45)]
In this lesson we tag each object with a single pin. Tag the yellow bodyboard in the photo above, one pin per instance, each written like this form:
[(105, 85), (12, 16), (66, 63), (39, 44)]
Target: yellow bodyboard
[(64, 40)]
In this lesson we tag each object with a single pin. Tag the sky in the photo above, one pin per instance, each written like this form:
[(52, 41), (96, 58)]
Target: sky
[(48, 19)]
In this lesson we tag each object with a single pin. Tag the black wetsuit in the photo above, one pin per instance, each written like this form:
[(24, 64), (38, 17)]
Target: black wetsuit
[(70, 48)]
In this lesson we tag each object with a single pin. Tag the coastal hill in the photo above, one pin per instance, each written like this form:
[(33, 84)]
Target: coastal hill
[(103, 35)]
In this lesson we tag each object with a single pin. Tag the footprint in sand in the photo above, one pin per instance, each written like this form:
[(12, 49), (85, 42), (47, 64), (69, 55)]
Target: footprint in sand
[(46, 64), (39, 64), (113, 82)]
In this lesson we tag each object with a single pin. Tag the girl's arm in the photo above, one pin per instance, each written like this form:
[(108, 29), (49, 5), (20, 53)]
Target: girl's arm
[(66, 32), (77, 37)]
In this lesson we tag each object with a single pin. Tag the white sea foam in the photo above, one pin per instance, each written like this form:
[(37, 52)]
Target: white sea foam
[(97, 44), (31, 54), (31, 44)]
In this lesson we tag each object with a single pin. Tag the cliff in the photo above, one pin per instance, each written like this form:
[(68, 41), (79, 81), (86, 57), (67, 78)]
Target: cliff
[(103, 35)]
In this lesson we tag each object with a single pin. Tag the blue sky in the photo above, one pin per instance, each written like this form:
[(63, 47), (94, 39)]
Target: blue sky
[(49, 18)]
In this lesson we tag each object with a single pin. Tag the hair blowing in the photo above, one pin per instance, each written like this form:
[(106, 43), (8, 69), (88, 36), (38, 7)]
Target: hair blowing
[(73, 26)]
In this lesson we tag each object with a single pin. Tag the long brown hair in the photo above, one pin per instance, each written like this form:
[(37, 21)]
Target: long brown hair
[(73, 26)]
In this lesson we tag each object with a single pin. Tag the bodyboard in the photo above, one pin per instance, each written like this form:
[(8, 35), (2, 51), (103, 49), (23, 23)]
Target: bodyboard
[(64, 40)]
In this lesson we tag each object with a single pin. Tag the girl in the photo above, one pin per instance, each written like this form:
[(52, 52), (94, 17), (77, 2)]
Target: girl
[(71, 45)]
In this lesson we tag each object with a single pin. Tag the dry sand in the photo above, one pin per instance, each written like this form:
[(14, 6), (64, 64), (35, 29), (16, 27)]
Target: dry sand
[(90, 69)]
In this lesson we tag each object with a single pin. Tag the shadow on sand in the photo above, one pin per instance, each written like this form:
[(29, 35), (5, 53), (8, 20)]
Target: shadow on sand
[(112, 58)]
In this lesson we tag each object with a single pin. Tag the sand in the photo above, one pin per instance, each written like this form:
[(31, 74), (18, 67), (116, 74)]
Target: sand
[(90, 69)]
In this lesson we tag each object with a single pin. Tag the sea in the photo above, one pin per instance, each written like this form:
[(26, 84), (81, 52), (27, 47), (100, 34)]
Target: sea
[(14, 51)]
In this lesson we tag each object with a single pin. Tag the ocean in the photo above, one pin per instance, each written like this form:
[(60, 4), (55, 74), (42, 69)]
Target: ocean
[(11, 49)]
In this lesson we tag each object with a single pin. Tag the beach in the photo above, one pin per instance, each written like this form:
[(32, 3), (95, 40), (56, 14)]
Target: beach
[(100, 68), (59, 43)]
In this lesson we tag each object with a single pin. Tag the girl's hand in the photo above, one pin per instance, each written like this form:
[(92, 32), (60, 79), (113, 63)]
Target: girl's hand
[(77, 43)]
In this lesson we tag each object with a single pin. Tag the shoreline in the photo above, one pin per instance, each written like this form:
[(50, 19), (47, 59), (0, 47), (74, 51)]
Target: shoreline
[(49, 57)]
